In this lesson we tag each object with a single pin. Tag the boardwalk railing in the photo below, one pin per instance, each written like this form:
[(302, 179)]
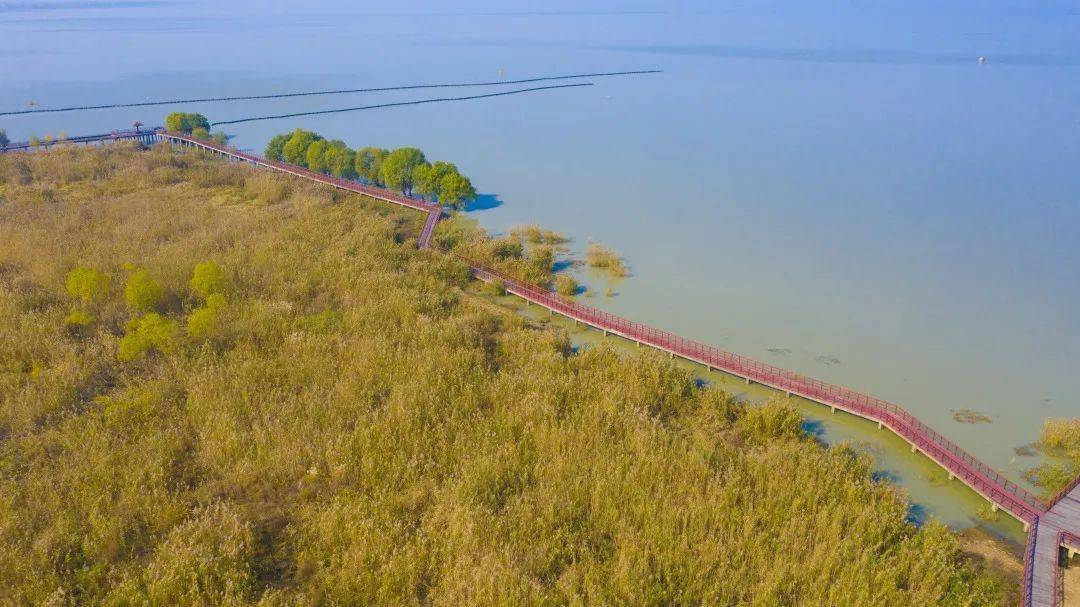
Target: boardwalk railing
[(1029, 563), (1060, 495)]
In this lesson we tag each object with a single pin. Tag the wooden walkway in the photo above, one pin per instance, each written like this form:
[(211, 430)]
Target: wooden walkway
[(1051, 525), (1059, 527)]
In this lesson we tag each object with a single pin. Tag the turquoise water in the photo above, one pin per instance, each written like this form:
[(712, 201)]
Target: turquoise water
[(843, 191)]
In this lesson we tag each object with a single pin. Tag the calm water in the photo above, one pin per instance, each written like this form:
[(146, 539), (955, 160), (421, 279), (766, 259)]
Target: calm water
[(845, 192)]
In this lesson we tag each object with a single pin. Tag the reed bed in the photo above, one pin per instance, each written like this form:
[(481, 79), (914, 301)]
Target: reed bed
[(347, 425)]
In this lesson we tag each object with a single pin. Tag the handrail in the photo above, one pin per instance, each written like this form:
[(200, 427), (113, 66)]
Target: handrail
[(1067, 489), (1029, 564)]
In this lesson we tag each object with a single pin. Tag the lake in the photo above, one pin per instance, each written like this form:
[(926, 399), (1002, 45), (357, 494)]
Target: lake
[(845, 192)]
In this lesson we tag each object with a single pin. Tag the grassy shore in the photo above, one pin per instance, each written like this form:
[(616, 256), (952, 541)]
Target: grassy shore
[(326, 415)]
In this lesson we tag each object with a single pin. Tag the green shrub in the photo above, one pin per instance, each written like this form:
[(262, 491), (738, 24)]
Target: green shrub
[(88, 284), (205, 322), (142, 292), (208, 279), (151, 333)]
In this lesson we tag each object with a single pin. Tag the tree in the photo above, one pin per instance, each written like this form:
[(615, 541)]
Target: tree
[(200, 133), (220, 138), (369, 164), (428, 178), (4, 141), (274, 149), (340, 160), (455, 190), (182, 122), (398, 170), (315, 157), (295, 149)]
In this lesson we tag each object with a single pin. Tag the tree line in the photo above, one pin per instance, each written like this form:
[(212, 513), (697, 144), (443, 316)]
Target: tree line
[(404, 169)]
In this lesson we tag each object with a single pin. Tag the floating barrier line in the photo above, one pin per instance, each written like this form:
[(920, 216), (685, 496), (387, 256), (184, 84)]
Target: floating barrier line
[(403, 103), (407, 87)]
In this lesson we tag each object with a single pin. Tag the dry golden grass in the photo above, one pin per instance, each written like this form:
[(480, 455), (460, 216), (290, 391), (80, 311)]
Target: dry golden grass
[(601, 257), (354, 428)]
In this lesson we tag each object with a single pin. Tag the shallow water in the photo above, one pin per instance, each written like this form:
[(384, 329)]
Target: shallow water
[(847, 192)]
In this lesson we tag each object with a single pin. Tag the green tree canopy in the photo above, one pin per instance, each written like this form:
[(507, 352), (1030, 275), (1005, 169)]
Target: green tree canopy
[(455, 190), (369, 164), (340, 160), (398, 170), (428, 177), (315, 158), (183, 122), (295, 149), (200, 133), (275, 149)]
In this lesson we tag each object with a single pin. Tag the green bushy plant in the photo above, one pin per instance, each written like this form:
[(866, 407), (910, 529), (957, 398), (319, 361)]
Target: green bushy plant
[(142, 292), (150, 333), (88, 285), (208, 279)]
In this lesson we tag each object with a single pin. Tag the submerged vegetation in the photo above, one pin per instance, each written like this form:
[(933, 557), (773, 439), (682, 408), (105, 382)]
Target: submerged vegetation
[(970, 416), (286, 403), (1060, 440)]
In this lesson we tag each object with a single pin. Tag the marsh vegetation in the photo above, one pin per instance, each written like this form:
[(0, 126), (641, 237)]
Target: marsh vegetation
[(311, 411)]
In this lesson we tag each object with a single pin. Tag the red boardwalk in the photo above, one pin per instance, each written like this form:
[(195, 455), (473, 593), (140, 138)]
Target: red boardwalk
[(1051, 526)]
